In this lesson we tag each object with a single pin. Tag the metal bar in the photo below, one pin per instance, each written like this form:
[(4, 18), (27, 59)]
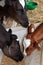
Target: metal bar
[(41, 60)]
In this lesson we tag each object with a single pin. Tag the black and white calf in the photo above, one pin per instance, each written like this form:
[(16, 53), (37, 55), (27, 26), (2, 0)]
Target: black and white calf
[(9, 44), (15, 10)]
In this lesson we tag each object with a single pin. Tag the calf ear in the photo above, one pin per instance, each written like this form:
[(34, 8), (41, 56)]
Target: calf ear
[(31, 28), (10, 31), (14, 37)]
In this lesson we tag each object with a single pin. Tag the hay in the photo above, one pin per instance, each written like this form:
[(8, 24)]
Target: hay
[(10, 23), (37, 14), (8, 61)]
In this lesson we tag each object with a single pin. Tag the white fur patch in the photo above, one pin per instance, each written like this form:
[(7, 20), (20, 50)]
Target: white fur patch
[(24, 53), (32, 29), (17, 39), (26, 43), (22, 2), (2, 3)]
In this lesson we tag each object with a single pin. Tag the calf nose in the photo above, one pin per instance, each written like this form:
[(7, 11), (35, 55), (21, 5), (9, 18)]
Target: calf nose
[(26, 24), (20, 57)]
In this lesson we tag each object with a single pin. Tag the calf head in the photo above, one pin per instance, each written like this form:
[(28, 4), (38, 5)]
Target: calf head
[(33, 39), (12, 49), (28, 44), (15, 10)]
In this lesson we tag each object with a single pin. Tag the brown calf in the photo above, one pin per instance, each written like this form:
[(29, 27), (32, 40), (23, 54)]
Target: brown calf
[(35, 37)]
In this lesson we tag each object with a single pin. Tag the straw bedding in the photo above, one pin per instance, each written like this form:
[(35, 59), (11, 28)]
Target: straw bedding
[(37, 14), (8, 61)]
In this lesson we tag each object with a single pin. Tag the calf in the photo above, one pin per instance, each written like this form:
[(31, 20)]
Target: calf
[(9, 44), (14, 9), (33, 39)]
